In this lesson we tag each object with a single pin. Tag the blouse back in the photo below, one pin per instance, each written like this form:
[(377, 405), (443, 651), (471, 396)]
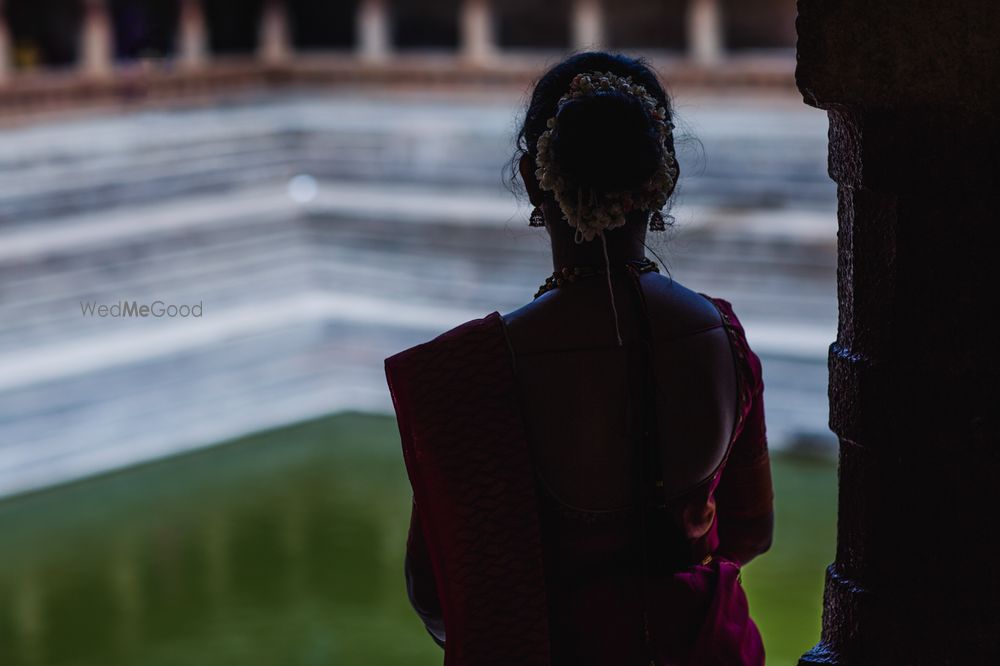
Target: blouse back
[(582, 396)]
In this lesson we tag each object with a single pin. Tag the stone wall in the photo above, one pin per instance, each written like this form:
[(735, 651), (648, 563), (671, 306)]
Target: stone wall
[(912, 90)]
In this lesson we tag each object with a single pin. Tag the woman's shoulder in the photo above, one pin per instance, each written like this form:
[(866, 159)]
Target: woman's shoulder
[(697, 310), (676, 310), (471, 334), (748, 360)]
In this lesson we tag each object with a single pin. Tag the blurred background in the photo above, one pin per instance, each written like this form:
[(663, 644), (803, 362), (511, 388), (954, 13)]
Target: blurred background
[(324, 183)]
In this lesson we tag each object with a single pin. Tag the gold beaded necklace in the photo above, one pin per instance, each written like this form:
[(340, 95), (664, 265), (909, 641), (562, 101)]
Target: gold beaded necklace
[(572, 273)]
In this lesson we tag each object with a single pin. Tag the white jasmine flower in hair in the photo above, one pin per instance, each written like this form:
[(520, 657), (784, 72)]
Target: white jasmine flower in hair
[(592, 216)]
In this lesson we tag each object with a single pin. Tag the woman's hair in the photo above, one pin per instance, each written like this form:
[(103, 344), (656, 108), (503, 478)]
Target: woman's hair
[(605, 142)]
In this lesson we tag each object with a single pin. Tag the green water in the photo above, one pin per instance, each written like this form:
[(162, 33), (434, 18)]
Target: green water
[(285, 548)]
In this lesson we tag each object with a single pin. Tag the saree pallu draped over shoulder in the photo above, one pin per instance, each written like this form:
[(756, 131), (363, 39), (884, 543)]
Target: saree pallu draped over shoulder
[(475, 558), (473, 482)]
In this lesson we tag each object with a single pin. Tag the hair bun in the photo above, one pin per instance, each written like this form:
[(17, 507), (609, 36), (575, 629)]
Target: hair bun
[(606, 142)]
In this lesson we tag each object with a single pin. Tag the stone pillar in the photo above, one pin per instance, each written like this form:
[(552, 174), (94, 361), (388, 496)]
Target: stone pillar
[(478, 41), (192, 34), (912, 90), (704, 31), (4, 46), (275, 45), (96, 40), (588, 24), (373, 30)]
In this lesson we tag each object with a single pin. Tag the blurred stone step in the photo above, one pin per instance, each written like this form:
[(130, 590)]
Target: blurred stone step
[(89, 164), (411, 232)]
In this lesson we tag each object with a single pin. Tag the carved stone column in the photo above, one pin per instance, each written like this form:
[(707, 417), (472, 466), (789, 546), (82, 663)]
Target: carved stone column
[(588, 24), (275, 45), (912, 90), (192, 34), (96, 40), (478, 34), (704, 26), (373, 30)]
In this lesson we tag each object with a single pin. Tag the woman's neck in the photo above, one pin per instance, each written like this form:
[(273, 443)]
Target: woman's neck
[(622, 245)]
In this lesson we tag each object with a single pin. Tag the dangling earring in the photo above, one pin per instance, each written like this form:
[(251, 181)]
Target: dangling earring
[(656, 221), (537, 218)]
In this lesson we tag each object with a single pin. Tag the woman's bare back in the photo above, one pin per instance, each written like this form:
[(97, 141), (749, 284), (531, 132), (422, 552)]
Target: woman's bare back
[(579, 388)]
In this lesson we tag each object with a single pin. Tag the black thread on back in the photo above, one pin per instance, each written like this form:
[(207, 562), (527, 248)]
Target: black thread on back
[(648, 464)]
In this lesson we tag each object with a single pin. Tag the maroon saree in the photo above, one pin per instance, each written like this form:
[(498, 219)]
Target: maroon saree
[(468, 462), (475, 560)]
